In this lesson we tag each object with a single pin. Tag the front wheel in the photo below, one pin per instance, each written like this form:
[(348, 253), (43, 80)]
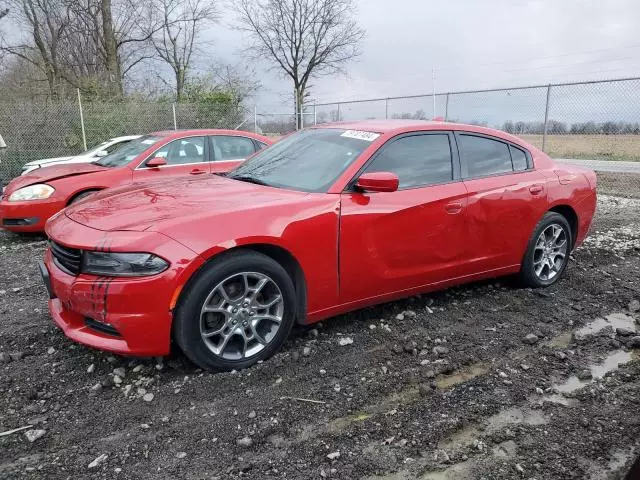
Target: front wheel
[(237, 311), (548, 252)]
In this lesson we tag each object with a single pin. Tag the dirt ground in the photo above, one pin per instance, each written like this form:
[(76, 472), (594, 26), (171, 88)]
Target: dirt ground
[(482, 381)]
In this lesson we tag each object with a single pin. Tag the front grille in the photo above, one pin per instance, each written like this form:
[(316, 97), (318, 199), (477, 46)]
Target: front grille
[(68, 259), (101, 327)]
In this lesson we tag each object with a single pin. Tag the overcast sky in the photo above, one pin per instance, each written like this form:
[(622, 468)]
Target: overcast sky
[(472, 44)]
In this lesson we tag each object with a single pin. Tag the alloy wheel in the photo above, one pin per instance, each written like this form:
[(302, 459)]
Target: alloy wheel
[(550, 252), (241, 315)]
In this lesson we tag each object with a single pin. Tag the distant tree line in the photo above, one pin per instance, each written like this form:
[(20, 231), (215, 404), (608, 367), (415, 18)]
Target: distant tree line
[(555, 127)]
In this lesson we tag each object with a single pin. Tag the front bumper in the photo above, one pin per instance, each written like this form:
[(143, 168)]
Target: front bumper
[(28, 216), (124, 315)]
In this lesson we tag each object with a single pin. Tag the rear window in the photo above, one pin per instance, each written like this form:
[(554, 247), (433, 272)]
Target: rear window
[(519, 159), (484, 156)]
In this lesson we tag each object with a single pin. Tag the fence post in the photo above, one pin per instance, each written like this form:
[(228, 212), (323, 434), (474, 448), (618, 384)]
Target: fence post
[(84, 134), (175, 122), (338, 119), (446, 109), (386, 108), (255, 119), (315, 113), (546, 119)]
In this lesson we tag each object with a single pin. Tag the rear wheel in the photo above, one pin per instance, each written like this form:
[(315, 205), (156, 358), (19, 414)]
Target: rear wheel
[(238, 311), (548, 251)]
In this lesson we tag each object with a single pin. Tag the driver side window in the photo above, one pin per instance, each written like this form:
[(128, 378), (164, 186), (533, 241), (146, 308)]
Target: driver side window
[(182, 151)]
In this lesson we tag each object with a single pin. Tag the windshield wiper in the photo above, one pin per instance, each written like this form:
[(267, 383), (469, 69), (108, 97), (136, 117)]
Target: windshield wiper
[(248, 179)]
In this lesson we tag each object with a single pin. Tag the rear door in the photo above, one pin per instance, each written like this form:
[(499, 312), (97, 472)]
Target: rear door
[(396, 241), (184, 156), (229, 151), (506, 199)]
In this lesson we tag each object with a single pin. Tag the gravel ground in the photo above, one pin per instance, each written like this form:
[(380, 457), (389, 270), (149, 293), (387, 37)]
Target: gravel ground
[(482, 381)]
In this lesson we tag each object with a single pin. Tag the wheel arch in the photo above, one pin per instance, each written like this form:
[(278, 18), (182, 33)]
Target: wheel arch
[(572, 217), (276, 252), (81, 192)]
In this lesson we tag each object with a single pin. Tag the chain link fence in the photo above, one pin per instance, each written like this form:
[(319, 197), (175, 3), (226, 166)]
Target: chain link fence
[(595, 124), (38, 130)]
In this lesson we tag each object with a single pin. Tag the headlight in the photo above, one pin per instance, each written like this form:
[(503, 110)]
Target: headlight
[(32, 192), (122, 264)]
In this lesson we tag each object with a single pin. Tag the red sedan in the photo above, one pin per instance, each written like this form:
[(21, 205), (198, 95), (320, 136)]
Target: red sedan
[(330, 219), (28, 201)]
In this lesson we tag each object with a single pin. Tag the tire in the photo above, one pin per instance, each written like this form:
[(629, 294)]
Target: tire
[(81, 196), (235, 311), (540, 252)]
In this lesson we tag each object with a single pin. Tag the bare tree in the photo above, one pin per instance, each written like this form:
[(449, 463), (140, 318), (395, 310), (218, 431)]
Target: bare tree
[(178, 37), (303, 38)]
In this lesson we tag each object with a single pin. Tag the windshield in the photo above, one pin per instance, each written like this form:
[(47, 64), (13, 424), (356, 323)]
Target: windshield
[(128, 152), (96, 149), (310, 160)]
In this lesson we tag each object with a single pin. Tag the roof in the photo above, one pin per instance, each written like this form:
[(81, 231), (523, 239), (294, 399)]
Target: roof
[(201, 131), (384, 126)]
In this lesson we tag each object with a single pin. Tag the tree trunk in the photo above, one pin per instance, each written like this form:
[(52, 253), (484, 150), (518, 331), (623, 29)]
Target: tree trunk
[(114, 80), (299, 101), (180, 78)]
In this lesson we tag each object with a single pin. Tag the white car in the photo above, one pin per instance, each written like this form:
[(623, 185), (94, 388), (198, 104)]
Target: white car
[(91, 155)]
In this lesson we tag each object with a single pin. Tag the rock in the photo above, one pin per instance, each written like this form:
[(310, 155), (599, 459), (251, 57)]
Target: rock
[(137, 369), (345, 341), (634, 342), (96, 387), (519, 468), (584, 421), (119, 372), (430, 374), (372, 327), (306, 351), (561, 355), (384, 370), (295, 356), (15, 356), (98, 460), (111, 359), (117, 380), (278, 380), (438, 350), (625, 332), (252, 414), (634, 306), (333, 456), (33, 435), (400, 316), (51, 351), (148, 397), (245, 442), (397, 349), (428, 310), (410, 346), (181, 454), (313, 333), (91, 368), (4, 357), (502, 375), (584, 375), (409, 313), (530, 339)]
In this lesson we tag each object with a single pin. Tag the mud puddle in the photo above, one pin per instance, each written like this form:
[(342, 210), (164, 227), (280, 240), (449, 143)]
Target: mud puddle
[(598, 370)]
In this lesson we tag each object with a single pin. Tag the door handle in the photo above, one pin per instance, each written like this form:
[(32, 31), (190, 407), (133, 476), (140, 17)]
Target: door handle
[(453, 207), (197, 171), (536, 189)]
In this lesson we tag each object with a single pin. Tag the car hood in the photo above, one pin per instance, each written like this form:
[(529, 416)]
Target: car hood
[(54, 172), (159, 205), (44, 161)]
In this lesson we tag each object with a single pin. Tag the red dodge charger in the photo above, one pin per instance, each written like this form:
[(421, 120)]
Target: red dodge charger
[(330, 219), (28, 201)]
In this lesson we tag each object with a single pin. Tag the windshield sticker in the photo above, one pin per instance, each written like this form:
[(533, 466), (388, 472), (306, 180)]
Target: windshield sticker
[(360, 135)]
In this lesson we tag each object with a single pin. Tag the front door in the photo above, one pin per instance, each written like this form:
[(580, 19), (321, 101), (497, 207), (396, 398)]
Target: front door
[(397, 241), (183, 156)]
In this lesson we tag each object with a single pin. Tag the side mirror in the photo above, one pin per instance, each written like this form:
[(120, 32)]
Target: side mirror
[(378, 182), (156, 162), (101, 153)]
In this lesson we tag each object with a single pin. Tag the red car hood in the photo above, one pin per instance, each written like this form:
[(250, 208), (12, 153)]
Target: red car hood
[(48, 174), (152, 206)]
